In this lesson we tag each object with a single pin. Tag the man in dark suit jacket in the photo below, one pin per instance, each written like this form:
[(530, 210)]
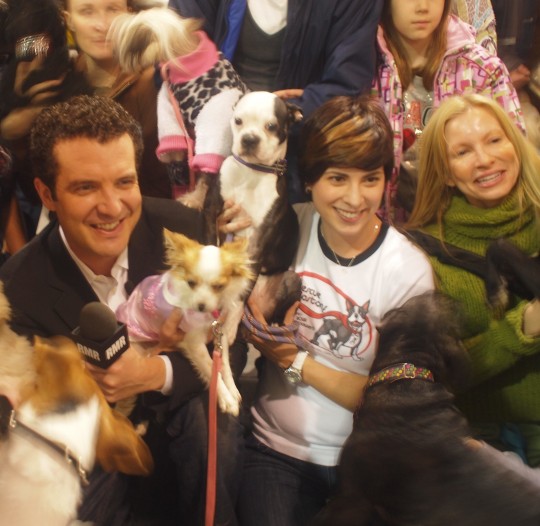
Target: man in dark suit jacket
[(105, 239)]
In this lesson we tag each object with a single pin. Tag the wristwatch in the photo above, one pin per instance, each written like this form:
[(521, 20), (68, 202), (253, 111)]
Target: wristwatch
[(293, 373)]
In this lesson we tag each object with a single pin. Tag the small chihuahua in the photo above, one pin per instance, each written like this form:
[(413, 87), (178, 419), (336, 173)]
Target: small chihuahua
[(206, 282)]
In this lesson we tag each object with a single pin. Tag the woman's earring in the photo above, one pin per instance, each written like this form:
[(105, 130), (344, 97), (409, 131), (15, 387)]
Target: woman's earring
[(307, 189)]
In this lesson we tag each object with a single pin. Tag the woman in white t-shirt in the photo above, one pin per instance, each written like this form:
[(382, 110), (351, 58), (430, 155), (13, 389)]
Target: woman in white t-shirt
[(354, 269)]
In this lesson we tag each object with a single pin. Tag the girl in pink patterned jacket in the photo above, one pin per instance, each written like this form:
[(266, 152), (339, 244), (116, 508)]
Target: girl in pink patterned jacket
[(426, 56)]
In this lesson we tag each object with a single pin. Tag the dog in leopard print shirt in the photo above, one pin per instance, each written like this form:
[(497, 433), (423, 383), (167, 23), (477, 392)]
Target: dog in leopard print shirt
[(195, 103)]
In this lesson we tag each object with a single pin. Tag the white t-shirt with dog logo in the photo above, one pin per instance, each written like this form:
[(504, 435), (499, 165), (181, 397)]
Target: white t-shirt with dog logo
[(340, 309)]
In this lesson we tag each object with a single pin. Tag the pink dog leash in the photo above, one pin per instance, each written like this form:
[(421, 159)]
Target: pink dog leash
[(212, 426)]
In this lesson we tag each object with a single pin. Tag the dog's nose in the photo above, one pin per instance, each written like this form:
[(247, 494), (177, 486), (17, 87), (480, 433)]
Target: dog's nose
[(201, 307), (250, 141)]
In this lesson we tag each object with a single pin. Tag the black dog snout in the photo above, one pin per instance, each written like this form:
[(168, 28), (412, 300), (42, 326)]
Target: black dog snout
[(250, 141)]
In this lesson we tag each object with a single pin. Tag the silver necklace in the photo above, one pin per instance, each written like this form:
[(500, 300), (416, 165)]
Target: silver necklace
[(352, 261)]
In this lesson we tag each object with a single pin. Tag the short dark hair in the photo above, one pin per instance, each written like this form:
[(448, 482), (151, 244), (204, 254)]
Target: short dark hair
[(92, 117), (346, 132)]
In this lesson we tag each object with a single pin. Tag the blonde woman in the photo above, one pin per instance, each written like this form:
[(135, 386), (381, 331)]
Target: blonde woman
[(478, 181)]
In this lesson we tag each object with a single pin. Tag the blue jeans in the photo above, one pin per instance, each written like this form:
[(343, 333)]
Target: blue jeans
[(278, 490), (188, 430)]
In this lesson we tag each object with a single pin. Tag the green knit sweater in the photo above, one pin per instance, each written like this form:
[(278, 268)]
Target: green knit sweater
[(506, 363)]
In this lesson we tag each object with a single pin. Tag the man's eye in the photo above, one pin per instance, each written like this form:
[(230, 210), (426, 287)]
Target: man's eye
[(84, 188), (128, 182)]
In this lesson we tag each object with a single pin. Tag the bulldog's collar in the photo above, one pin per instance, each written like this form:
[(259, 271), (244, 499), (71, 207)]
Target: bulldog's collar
[(401, 371), (277, 168)]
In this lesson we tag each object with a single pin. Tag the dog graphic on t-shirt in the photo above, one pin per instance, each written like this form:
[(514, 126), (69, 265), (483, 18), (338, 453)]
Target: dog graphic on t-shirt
[(343, 335)]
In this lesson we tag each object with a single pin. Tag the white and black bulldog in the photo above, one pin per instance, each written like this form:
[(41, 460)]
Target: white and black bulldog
[(254, 177)]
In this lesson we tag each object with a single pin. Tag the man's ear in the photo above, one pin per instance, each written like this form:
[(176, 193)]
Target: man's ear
[(45, 194)]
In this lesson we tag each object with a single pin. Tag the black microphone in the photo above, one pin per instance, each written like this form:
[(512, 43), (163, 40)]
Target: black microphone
[(99, 336)]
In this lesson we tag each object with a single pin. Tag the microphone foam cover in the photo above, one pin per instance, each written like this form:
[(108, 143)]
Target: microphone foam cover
[(97, 322)]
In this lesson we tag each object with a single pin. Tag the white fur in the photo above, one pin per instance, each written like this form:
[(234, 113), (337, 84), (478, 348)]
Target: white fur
[(203, 298), (256, 191), (37, 486), (16, 368), (253, 115)]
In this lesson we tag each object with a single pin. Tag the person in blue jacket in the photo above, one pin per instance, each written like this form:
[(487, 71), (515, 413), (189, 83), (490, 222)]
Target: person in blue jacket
[(307, 51)]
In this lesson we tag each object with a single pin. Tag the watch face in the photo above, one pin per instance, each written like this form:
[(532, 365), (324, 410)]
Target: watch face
[(293, 375)]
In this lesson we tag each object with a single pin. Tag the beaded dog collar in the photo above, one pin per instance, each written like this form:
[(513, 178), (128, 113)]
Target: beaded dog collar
[(400, 371)]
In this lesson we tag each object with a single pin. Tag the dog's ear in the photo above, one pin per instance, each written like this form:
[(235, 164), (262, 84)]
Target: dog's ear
[(295, 113), (175, 243), (235, 254), (119, 447), (443, 315), (456, 373)]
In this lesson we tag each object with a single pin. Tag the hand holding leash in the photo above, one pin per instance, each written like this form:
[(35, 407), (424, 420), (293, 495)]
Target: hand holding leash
[(281, 352)]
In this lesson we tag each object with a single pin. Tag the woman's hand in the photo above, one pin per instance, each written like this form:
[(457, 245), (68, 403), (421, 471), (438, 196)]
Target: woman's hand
[(342, 387), (281, 354), (531, 319)]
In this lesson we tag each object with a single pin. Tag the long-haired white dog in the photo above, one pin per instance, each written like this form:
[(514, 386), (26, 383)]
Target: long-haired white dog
[(60, 426), (196, 100), (207, 283)]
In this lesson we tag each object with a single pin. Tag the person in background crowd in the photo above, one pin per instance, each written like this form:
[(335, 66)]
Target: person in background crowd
[(426, 56), (480, 15), (519, 47), (11, 231), (478, 182), (307, 51), (89, 21)]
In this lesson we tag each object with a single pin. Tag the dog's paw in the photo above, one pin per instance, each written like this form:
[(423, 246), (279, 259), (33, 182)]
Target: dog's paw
[(228, 402), (191, 201), (231, 407), (195, 199), (235, 393)]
